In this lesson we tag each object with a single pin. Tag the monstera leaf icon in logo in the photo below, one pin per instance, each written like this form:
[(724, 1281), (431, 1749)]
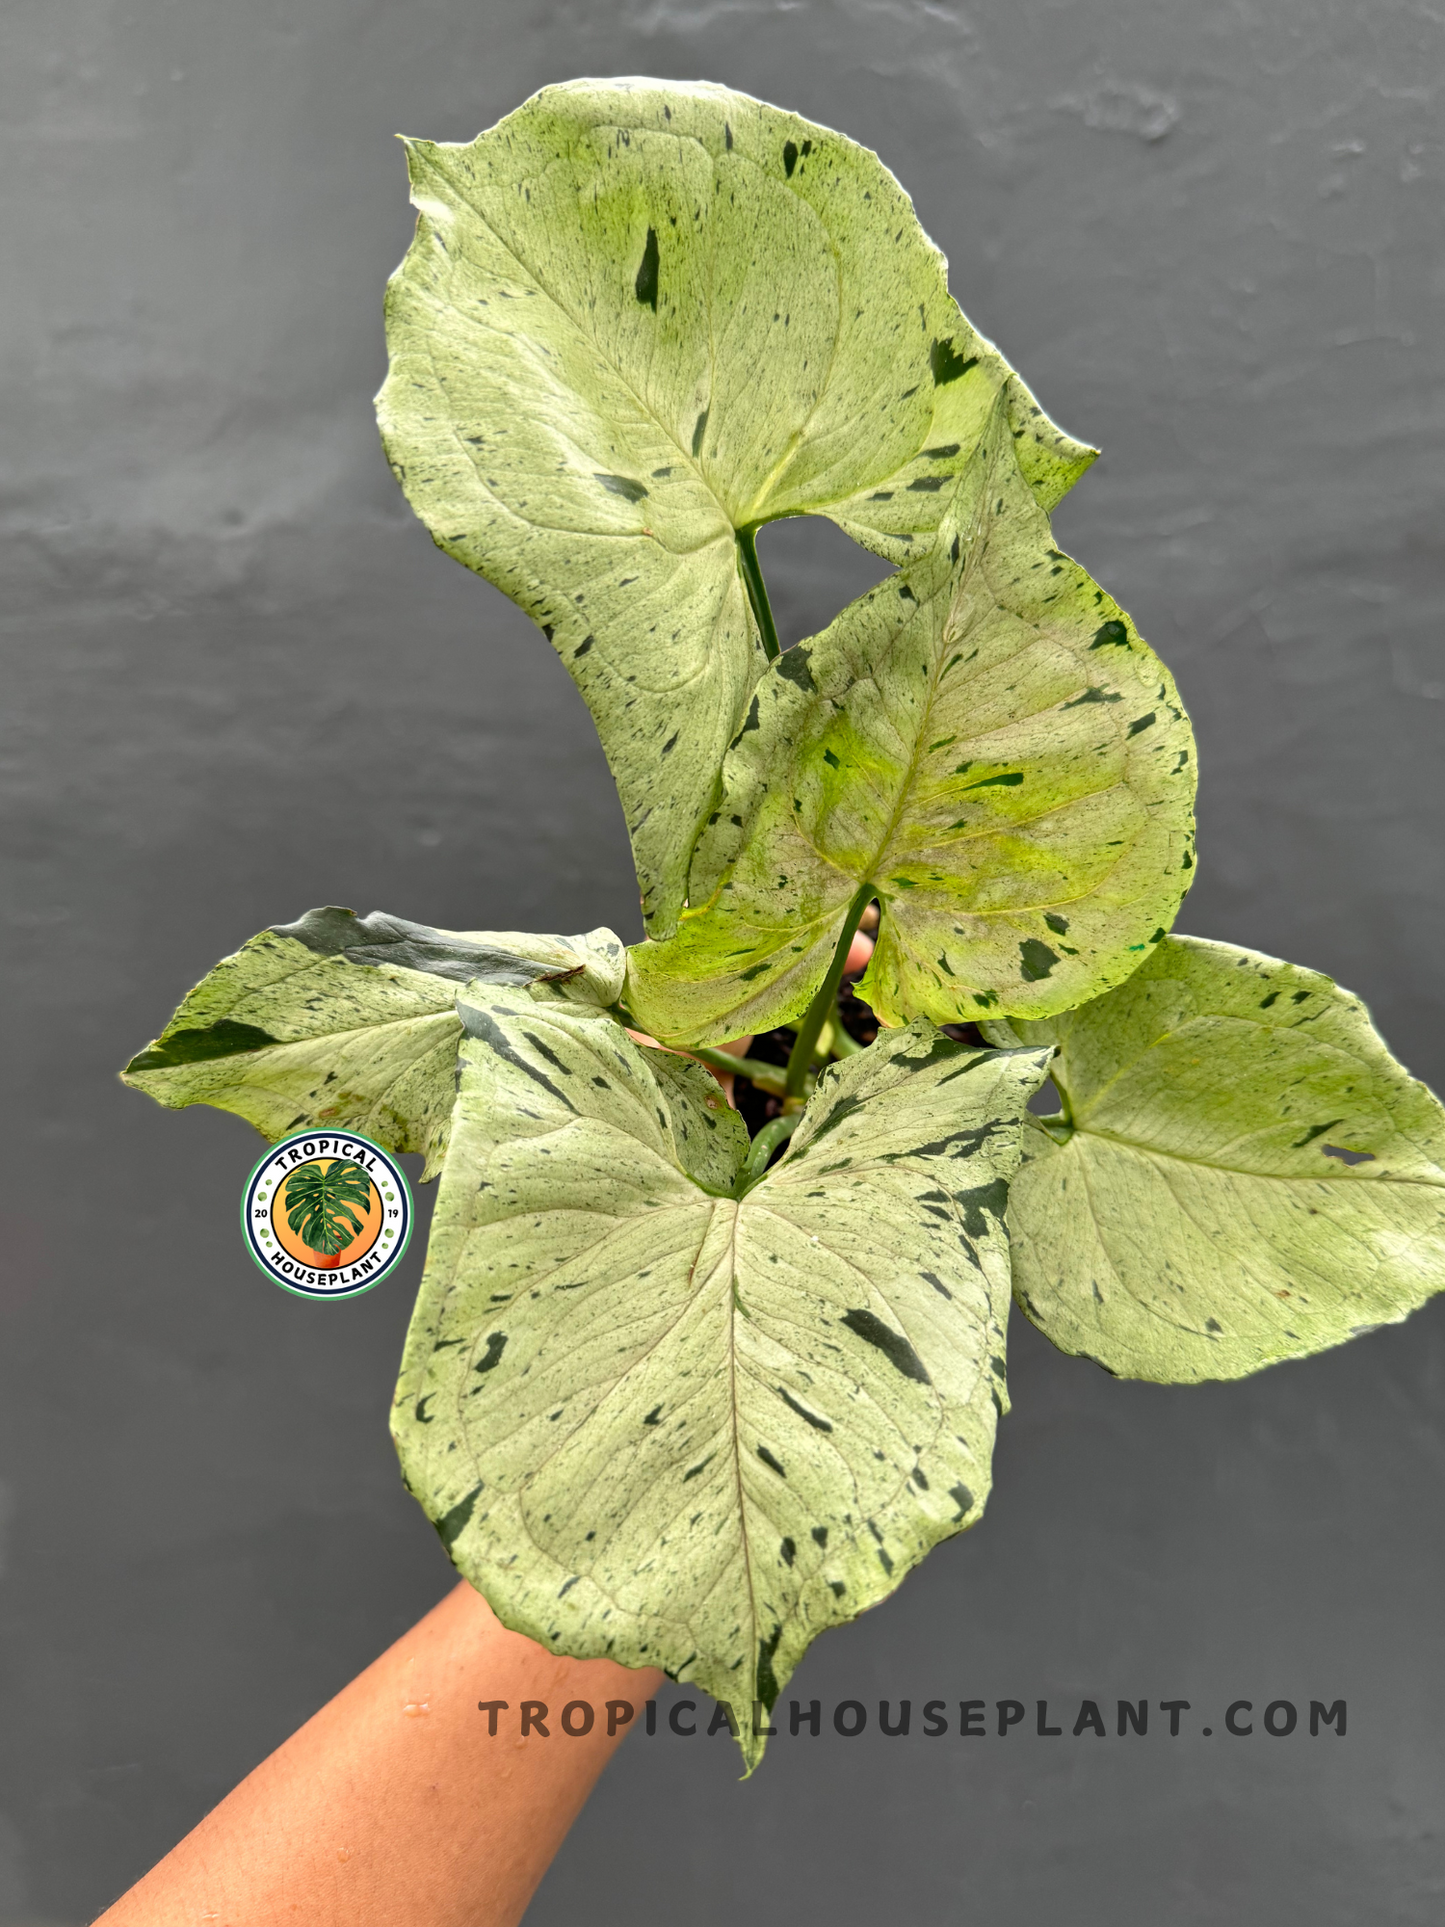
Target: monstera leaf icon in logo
[(321, 1205)]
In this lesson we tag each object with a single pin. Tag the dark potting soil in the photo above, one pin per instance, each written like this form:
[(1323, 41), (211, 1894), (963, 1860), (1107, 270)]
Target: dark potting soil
[(772, 1047)]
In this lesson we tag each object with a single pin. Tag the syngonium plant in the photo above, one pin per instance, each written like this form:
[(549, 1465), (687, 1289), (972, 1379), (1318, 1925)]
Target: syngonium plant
[(675, 1393)]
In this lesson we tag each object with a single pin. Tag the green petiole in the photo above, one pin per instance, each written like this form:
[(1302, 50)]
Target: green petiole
[(766, 1142), (758, 592), (801, 1058), (768, 1077)]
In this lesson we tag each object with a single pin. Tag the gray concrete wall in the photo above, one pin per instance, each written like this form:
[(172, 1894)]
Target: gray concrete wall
[(240, 681)]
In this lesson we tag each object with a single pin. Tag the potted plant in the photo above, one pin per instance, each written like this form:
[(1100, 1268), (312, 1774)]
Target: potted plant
[(690, 1380)]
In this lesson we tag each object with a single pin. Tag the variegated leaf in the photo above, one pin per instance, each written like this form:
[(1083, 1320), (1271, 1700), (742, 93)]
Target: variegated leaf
[(637, 322), (659, 1415), (351, 1021), (985, 743), (1242, 1173)]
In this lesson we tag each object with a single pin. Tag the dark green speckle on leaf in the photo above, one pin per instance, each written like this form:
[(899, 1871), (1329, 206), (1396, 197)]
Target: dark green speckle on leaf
[(1110, 635), (223, 1039), (1037, 960), (622, 485), (947, 364), (645, 285), (453, 1524)]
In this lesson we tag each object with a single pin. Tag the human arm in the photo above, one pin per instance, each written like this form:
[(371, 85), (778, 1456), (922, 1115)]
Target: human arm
[(394, 1802)]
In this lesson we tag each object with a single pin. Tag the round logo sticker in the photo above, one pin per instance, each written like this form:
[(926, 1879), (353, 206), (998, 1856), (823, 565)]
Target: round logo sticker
[(326, 1215)]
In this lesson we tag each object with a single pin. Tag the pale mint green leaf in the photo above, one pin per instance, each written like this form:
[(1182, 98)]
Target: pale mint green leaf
[(984, 741), (351, 1021), (690, 1424), (710, 1139), (636, 320), (1241, 1174)]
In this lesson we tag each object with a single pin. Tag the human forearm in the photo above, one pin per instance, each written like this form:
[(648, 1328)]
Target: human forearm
[(393, 1803)]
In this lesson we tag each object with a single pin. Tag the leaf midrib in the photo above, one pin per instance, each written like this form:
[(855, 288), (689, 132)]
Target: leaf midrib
[(1346, 1174), (1202, 1019), (870, 874), (706, 1204)]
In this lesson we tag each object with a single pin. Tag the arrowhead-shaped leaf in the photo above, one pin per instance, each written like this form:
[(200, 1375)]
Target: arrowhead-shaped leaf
[(638, 321), (345, 1020), (660, 1416), (984, 741), (1242, 1173)]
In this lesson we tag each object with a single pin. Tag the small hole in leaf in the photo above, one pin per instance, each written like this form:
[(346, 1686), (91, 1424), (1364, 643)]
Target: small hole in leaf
[(1046, 1101), (1348, 1157)]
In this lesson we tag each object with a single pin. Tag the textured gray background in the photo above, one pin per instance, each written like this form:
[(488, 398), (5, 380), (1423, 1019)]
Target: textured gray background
[(240, 682)]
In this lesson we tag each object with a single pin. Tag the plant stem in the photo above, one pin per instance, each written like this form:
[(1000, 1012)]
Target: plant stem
[(767, 1077), (801, 1056), (758, 592), (766, 1142)]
